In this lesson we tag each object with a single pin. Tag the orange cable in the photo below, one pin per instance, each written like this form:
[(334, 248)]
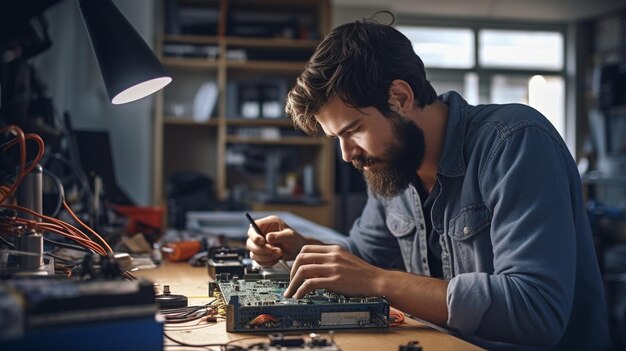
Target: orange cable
[(21, 139), (67, 229), (397, 316), (68, 209), (90, 244), (22, 142)]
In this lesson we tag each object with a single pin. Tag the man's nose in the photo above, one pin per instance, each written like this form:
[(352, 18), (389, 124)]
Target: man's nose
[(348, 149)]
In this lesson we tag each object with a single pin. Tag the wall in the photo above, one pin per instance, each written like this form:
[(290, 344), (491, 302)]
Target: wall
[(71, 71), (345, 14)]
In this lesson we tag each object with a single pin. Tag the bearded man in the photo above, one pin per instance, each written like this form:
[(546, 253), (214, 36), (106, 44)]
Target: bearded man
[(475, 219)]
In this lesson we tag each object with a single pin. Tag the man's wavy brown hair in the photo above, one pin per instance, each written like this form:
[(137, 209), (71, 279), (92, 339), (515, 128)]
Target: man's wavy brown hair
[(357, 62)]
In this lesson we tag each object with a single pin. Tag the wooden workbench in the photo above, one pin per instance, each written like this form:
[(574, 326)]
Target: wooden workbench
[(193, 283)]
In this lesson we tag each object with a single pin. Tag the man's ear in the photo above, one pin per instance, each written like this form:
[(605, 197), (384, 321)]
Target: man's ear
[(401, 98)]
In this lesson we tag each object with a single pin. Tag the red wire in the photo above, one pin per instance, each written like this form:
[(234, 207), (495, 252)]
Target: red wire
[(21, 139), (397, 316)]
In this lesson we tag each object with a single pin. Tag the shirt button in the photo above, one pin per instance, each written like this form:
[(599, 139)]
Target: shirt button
[(466, 230)]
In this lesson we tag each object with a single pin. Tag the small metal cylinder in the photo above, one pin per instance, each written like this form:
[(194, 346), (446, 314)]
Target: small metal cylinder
[(31, 243), (29, 195)]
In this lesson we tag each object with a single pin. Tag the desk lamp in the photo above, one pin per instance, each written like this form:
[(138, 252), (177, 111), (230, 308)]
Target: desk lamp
[(129, 68)]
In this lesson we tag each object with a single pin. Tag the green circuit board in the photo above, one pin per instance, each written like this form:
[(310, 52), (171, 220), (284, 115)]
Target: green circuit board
[(270, 292), (259, 305)]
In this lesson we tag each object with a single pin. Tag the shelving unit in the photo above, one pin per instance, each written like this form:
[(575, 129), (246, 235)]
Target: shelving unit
[(251, 53)]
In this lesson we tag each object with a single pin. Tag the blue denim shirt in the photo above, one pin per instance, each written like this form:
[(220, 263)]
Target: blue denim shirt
[(517, 245)]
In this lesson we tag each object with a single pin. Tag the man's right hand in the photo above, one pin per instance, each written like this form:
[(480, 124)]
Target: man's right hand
[(280, 241)]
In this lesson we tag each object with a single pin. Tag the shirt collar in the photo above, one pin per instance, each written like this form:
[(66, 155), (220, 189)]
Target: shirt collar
[(452, 163)]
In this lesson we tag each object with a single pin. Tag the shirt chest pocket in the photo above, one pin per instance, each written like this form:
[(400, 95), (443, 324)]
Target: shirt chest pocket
[(471, 243), (468, 222)]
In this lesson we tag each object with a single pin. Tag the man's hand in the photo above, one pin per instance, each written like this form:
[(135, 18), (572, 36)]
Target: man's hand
[(333, 268), (280, 241)]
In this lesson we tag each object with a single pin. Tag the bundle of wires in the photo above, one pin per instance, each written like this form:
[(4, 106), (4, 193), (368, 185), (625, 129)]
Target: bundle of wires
[(227, 346), (265, 320), (396, 317), (208, 312), (178, 320), (10, 220)]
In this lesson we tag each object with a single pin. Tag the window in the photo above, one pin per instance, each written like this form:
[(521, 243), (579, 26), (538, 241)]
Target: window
[(442, 47), (488, 65), (520, 49), (547, 95)]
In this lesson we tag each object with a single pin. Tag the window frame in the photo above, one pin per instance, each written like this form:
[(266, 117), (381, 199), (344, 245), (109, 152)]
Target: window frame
[(476, 25), (485, 74)]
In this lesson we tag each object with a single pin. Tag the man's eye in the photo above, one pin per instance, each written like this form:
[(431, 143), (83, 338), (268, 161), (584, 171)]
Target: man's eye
[(354, 130)]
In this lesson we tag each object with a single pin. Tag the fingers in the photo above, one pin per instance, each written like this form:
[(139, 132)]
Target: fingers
[(277, 241), (272, 241), (256, 243), (321, 248), (272, 229), (280, 238), (270, 224), (317, 266), (262, 252), (309, 278), (314, 261), (256, 239), (314, 254), (313, 284)]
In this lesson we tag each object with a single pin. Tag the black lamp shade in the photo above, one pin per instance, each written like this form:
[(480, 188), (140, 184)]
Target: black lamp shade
[(129, 68)]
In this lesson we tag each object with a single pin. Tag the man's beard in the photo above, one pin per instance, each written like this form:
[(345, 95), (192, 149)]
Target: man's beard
[(397, 168)]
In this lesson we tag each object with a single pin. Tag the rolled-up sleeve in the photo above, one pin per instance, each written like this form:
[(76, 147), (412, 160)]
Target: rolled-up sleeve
[(528, 298)]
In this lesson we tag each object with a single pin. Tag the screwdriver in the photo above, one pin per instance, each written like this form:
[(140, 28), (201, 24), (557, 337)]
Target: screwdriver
[(258, 231)]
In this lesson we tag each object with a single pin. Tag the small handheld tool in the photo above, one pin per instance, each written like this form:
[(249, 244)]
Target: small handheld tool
[(258, 231)]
